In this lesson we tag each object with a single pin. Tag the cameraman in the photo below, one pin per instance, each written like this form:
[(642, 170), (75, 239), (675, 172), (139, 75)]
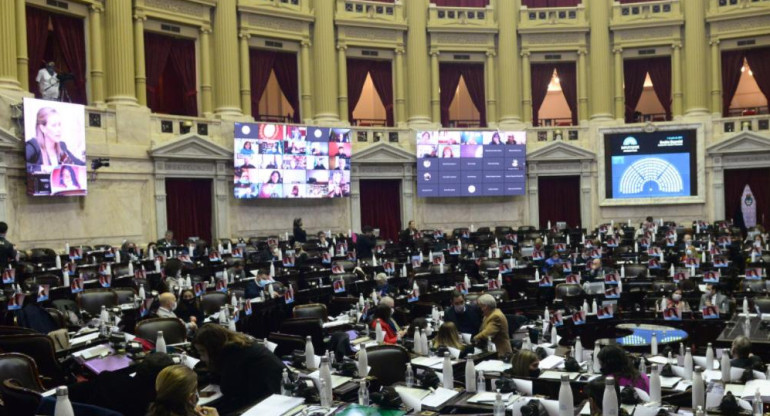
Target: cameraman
[(48, 82)]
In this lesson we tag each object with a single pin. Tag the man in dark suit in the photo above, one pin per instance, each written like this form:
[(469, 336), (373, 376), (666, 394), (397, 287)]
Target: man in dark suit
[(167, 240), (365, 243), (7, 252), (467, 318)]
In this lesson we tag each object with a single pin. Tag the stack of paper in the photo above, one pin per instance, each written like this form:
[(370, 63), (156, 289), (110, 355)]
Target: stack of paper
[(492, 366), (275, 405)]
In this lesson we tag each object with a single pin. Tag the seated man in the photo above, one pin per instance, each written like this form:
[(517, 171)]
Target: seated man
[(167, 303), (322, 241), (712, 297), (552, 261), (594, 270), (237, 272), (467, 318), (383, 288), (167, 240), (389, 302), (742, 356)]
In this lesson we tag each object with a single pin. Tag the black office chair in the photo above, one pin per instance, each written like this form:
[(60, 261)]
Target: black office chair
[(286, 343), (490, 264), (635, 270), (21, 368), (311, 310), (92, 300), (568, 290), (388, 363), (174, 330), (212, 302), (763, 304), (663, 287), (41, 349), (17, 399), (756, 286), (436, 268), (125, 294), (304, 327), (42, 255)]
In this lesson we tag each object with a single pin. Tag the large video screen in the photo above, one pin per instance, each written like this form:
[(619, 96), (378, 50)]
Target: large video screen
[(55, 147), (471, 163), (283, 161), (651, 165)]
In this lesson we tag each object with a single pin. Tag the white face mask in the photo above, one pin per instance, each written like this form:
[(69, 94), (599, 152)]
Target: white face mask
[(459, 308), (689, 252), (677, 297), (173, 306)]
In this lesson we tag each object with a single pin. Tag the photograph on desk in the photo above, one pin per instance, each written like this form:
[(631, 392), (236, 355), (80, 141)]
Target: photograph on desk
[(720, 262), (557, 319), (221, 285), (579, 318), (76, 253), (566, 266), (711, 276), (710, 312), (460, 287), (653, 264), (200, 288), (612, 292), (337, 268), (105, 281), (42, 292), (326, 257), (9, 276), (389, 267), (339, 286), (15, 301), (546, 281), (611, 279), (76, 285), (139, 274), (505, 268), (681, 276), (606, 312), (573, 279), (753, 273), (672, 313)]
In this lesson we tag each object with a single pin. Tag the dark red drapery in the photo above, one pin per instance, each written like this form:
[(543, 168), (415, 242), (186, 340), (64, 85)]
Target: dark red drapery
[(382, 78), (759, 62), (559, 200), (634, 72), (285, 68), (568, 80), (732, 61), (449, 79), (170, 71), (381, 206), (660, 75), (188, 208), (357, 71), (157, 49), (473, 74), (550, 3), (262, 63), (735, 180), (461, 3), (37, 36), (183, 62), (541, 77)]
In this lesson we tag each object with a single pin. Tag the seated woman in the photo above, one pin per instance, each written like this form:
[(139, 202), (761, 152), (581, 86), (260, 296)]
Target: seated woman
[(188, 309), (448, 336), (247, 372), (742, 356), (615, 362), (381, 315), (525, 364), (177, 394), (678, 302), (595, 391)]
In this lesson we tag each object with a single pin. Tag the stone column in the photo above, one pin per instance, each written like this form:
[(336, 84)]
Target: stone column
[(526, 84), (207, 107), (400, 103), (417, 61), (22, 58), (695, 87), (245, 74), (620, 95), (601, 63), (97, 60), (509, 62), (716, 78), (582, 71), (676, 83), (119, 54), (8, 57), (342, 82), (325, 64), (306, 92), (226, 99), (491, 89), (435, 93), (139, 61)]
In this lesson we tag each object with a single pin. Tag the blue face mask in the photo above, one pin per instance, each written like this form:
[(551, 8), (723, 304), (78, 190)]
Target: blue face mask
[(263, 283)]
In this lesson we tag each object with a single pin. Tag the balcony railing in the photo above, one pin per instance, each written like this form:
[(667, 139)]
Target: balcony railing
[(290, 6), (459, 17), (369, 9), (552, 17), (757, 122), (717, 4), (369, 122), (464, 124), (540, 136), (274, 118), (652, 10)]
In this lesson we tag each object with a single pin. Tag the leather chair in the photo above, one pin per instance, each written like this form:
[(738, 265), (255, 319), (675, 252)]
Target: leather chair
[(527, 228), (44, 279), (347, 265), (40, 348), (211, 302), (304, 327), (92, 300), (568, 290), (489, 264), (500, 295), (238, 292), (311, 310), (436, 268), (42, 255), (756, 286), (663, 286), (21, 368), (472, 297), (174, 330), (286, 343), (388, 363), (125, 294), (16, 330), (502, 230), (58, 316), (18, 400), (636, 270), (763, 304)]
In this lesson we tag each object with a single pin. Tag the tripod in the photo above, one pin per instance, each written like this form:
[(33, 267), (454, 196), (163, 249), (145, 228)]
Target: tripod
[(64, 96)]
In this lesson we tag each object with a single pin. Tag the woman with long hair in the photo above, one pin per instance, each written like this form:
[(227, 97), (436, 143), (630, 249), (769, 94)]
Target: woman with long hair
[(47, 147), (177, 394), (616, 362), (381, 315), (448, 336), (525, 364), (68, 178)]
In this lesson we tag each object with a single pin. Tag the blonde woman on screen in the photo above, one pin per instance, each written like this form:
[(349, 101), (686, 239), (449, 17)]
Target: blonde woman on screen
[(47, 147)]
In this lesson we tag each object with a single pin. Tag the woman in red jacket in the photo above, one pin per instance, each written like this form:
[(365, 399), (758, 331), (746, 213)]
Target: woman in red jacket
[(381, 314)]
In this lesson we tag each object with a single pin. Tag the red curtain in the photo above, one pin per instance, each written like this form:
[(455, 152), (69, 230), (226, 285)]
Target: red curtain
[(262, 63), (559, 200), (183, 62), (188, 208), (157, 49), (568, 81), (541, 77), (381, 206), (473, 74), (732, 61), (735, 180), (449, 78), (382, 78), (37, 36), (550, 3), (285, 68), (357, 71), (759, 62), (634, 72), (660, 75), (461, 3), (72, 43)]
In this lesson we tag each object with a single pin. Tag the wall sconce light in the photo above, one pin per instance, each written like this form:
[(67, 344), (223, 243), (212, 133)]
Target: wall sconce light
[(557, 134), (185, 126), (746, 125)]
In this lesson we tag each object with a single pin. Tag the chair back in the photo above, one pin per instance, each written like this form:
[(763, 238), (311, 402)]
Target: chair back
[(756, 286), (125, 294), (211, 302), (436, 268), (16, 330), (663, 286), (40, 348), (42, 255), (286, 343), (174, 330), (92, 300), (18, 400), (489, 264), (311, 310), (388, 363), (304, 327), (21, 368), (500, 295), (568, 290), (636, 270), (763, 304), (347, 265)]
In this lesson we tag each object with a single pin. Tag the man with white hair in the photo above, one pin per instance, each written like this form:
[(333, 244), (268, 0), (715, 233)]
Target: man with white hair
[(383, 288), (494, 326), (389, 302), (167, 303)]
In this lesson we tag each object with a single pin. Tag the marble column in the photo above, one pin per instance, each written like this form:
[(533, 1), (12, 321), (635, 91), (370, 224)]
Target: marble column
[(676, 83), (620, 96), (509, 63), (8, 57), (207, 107), (226, 100), (325, 64), (716, 78), (119, 53), (306, 92), (139, 58), (435, 93), (22, 59), (342, 82), (491, 89), (526, 84), (97, 60), (582, 71), (695, 53), (417, 61), (245, 74), (601, 63), (400, 103)]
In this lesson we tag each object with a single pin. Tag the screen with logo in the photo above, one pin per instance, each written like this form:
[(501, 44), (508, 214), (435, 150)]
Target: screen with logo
[(651, 165), (471, 163), (283, 161)]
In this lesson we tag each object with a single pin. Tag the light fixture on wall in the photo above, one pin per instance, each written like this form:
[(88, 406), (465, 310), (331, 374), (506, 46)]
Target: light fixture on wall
[(185, 126), (377, 136), (746, 125), (557, 134)]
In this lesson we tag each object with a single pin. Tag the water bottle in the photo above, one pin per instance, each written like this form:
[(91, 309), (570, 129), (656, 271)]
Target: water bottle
[(363, 394), (757, 405), (725, 365), (309, 354), (417, 348), (481, 382), (654, 344), (610, 398), (142, 293), (578, 350), (709, 358), (699, 412), (322, 388), (594, 307), (160, 343), (655, 384), (470, 376), (63, 405), (688, 365), (746, 306), (363, 363), (409, 378), (566, 403), (325, 374), (499, 409), (285, 382), (449, 378), (378, 334), (698, 389), (597, 365)]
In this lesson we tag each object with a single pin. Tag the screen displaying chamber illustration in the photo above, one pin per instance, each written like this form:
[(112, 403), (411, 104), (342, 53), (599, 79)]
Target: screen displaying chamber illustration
[(471, 163), (55, 148), (651, 165), (289, 161)]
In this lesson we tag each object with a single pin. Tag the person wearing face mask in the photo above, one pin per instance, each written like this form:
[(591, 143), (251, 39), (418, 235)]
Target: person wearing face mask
[(390, 303), (129, 251), (172, 269), (167, 307), (713, 297), (676, 301), (615, 362), (467, 318), (322, 241), (686, 241), (383, 288), (525, 364), (177, 394), (187, 309), (494, 326), (382, 315)]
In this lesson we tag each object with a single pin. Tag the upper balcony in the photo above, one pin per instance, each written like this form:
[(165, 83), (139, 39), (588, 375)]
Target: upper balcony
[(367, 13), (552, 19), (463, 19), (284, 8), (646, 14), (720, 10)]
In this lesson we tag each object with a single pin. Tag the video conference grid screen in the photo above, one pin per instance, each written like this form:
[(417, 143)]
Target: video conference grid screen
[(55, 147), (286, 161), (650, 165), (471, 163)]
